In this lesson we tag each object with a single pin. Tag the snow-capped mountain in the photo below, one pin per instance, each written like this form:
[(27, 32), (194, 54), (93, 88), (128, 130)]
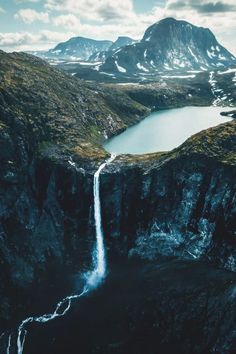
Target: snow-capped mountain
[(79, 48), (170, 45), (119, 43)]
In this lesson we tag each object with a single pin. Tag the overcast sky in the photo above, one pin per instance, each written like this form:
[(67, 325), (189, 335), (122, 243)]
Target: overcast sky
[(41, 24)]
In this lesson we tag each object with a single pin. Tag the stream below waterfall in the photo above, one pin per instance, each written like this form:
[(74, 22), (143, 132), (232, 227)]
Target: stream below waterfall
[(141, 306)]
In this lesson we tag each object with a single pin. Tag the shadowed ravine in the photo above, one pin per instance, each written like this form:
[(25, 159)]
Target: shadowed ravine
[(92, 279)]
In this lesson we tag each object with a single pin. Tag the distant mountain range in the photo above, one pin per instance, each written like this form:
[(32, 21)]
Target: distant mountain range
[(81, 48), (170, 45)]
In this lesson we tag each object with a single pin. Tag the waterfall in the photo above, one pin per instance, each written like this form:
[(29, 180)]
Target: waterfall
[(93, 278), (99, 257)]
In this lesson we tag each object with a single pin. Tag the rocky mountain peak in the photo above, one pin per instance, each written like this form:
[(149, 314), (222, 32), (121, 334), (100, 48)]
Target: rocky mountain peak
[(171, 45)]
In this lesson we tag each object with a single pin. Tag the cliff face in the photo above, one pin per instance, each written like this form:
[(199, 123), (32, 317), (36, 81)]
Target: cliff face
[(163, 205), (180, 204)]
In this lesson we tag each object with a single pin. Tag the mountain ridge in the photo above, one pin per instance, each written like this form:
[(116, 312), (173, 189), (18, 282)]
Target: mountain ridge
[(79, 47)]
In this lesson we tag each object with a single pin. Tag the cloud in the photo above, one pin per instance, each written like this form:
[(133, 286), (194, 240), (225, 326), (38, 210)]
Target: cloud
[(29, 16), (106, 19), (131, 24), (211, 7), (70, 22), (28, 41), (202, 6), (93, 9)]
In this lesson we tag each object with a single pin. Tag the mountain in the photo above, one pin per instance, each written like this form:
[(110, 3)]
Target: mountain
[(119, 43), (171, 45), (122, 42), (79, 48)]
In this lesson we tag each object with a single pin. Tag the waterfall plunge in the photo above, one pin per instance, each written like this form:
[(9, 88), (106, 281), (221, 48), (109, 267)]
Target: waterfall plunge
[(99, 257), (93, 278)]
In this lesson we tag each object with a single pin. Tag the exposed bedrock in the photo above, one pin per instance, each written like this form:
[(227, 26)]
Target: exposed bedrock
[(183, 208)]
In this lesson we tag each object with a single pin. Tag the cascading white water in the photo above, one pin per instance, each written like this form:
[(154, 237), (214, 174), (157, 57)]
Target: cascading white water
[(93, 278), (99, 257)]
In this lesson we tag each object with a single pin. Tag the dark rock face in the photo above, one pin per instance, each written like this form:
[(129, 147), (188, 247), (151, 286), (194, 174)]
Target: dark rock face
[(80, 48), (45, 218), (184, 209), (171, 45)]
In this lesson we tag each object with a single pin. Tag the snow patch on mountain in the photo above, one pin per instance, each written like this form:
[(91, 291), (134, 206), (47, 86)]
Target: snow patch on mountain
[(120, 68), (178, 76), (219, 94), (141, 67)]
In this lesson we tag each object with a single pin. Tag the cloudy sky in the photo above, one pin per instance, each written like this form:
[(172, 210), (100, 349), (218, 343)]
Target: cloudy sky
[(41, 24)]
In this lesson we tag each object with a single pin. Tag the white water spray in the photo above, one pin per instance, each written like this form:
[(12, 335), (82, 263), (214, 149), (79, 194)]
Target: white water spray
[(93, 278)]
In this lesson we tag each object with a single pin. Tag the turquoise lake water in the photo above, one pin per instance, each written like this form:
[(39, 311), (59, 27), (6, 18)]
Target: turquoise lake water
[(165, 130)]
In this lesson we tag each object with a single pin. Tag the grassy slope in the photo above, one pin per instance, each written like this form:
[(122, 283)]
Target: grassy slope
[(48, 109)]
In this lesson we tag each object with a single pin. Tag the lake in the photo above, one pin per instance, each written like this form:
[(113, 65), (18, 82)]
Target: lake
[(165, 130)]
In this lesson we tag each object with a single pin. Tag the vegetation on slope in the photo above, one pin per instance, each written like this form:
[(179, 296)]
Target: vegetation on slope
[(47, 107)]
